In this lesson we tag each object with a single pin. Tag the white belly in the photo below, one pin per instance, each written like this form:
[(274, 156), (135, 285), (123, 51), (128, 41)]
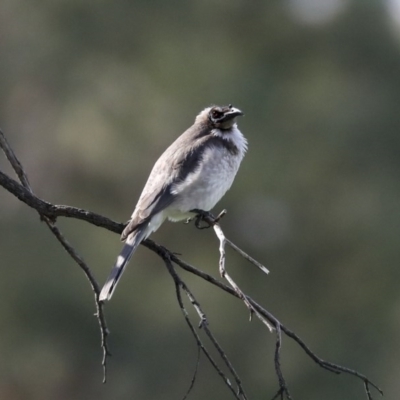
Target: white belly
[(203, 188)]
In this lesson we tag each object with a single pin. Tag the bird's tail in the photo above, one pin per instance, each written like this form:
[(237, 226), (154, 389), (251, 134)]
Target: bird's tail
[(131, 244)]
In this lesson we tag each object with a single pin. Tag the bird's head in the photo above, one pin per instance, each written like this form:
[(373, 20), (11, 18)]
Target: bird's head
[(220, 117)]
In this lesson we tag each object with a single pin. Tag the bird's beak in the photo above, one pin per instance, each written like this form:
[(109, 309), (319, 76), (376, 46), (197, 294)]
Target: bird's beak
[(232, 113)]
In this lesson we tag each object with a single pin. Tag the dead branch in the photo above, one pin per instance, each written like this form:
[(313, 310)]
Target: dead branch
[(24, 191), (50, 212)]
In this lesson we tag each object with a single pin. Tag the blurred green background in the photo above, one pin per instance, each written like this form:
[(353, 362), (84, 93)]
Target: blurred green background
[(91, 93)]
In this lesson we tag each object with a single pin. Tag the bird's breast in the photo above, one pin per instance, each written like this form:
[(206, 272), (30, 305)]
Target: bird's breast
[(204, 187)]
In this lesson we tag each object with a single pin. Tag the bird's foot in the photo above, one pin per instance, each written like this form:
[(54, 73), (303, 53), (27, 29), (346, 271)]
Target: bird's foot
[(200, 216), (207, 217)]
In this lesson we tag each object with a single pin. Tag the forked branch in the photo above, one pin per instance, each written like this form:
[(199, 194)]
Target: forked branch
[(49, 213)]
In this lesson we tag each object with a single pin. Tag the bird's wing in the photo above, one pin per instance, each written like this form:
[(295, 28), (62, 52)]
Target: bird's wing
[(172, 167)]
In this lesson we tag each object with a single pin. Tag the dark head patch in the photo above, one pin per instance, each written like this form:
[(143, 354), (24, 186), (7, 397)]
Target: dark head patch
[(223, 117)]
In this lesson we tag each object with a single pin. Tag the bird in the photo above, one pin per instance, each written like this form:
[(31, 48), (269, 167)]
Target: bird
[(192, 175)]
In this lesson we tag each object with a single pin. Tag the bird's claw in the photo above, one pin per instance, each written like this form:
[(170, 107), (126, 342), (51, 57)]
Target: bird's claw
[(205, 216)]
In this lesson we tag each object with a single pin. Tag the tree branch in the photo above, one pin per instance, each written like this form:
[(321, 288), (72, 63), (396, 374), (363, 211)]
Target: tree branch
[(54, 211), (25, 193), (49, 213)]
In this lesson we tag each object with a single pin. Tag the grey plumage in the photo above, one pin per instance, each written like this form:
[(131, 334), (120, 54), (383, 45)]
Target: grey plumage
[(193, 173), (132, 242)]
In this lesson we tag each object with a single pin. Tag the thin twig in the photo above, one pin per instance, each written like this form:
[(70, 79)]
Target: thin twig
[(246, 256), (192, 382), (224, 274), (14, 162), (104, 332), (366, 385), (50, 222), (179, 284), (273, 320), (209, 218), (205, 326), (283, 388), (212, 221)]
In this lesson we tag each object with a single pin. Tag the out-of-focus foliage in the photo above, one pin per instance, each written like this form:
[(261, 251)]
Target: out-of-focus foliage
[(91, 94)]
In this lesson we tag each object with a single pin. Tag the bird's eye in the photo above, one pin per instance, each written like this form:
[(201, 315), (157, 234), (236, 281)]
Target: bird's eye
[(216, 114)]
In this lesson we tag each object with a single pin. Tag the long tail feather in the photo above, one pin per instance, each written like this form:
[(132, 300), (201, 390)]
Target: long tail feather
[(131, 244)]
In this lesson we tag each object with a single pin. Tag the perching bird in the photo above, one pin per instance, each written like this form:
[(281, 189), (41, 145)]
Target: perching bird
[(192, 174)]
